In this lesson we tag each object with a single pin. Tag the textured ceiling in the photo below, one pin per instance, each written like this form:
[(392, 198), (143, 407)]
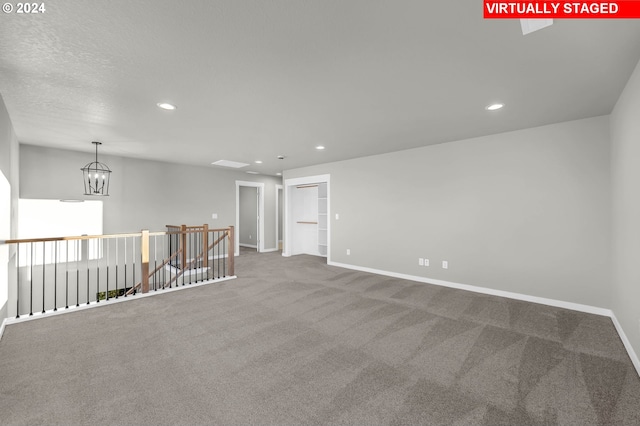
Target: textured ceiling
[(257, 79)]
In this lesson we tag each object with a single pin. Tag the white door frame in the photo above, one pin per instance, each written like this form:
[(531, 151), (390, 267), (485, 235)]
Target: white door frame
[(278, 187), (289, 184), (260, 187)]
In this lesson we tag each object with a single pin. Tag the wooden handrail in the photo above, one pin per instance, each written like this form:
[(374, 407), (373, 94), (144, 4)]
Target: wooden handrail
[(81, 237), (105, 236)]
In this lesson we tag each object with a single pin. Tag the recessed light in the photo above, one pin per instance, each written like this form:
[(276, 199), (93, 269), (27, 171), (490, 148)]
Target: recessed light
[(167, 106), (319, 147), (258, 161), (252, 172), (494, 107)]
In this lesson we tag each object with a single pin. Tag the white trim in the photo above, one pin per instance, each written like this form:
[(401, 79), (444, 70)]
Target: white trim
[(248, 245), (2, 326), (510, 295), (484, 290), (271, 250), (260, 186), (307, 180), (288, 184), (278, 187), (627, 343), (138, 296)]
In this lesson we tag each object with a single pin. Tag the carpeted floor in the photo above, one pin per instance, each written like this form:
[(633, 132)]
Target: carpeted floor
[(294, 341)]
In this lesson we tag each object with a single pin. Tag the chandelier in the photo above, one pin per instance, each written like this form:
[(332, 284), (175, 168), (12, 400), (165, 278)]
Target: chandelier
[(96, 176)]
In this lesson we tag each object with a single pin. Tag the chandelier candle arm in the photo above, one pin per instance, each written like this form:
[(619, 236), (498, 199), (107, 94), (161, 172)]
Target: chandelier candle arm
[(96, 176)]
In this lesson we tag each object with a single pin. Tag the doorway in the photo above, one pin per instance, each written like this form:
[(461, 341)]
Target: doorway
[(279, 216), (249, 232), (307, 207)]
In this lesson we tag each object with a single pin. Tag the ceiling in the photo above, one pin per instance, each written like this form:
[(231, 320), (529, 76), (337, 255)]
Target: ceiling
[(256, 79)]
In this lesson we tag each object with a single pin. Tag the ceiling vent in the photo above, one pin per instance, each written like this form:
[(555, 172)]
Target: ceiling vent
[(232, 164)]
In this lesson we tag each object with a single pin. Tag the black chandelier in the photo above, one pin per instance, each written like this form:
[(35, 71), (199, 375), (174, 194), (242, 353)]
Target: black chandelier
[(96, 176)]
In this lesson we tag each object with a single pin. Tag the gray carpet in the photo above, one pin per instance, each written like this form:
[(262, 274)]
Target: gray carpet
[(294, 341)]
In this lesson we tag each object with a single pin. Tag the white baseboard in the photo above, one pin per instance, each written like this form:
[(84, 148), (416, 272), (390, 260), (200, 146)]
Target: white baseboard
[(627, 343), (517, 296), (4, 322), (111, 301), (270, 250), (248, 246), (484, 290)]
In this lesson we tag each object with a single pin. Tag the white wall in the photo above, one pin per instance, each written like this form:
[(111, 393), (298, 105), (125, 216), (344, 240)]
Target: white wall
[(9, 168), (525, 211), (625, 165), (144, 194)]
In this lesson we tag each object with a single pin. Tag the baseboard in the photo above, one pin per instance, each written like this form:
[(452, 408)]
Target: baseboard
[(3, 315), (111, 301), (270, 250), (484, 290), (248, 246), (4, 323), (627, 343), (517, 296)]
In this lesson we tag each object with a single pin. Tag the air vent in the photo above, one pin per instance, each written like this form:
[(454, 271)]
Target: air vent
[(232, 164)]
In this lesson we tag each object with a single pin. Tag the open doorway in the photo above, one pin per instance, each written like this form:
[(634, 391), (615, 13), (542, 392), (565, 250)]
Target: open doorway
[(248, 225), (279, 216), (306, 211), (249, 216)]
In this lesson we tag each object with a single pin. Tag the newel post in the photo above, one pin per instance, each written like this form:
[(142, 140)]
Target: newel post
[(144, 253), (205, 243), (232, 250), (183, 246)]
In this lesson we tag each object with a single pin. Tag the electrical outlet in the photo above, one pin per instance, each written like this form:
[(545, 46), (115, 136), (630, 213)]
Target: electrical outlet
[(348, 252), (214, 215), (420, 261), (426, 262), (445, 264)]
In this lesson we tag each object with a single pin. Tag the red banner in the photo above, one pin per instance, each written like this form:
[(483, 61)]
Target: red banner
[(562, 9)]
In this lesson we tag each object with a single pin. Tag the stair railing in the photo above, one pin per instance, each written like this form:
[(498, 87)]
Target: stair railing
[(197, 256), (50, 274)]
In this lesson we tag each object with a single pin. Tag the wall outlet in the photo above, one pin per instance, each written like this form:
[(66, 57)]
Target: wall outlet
[(249, 236), (426, 262), (337, 216), (420, 261), (445, 264), (214, 215), (348, 252)]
